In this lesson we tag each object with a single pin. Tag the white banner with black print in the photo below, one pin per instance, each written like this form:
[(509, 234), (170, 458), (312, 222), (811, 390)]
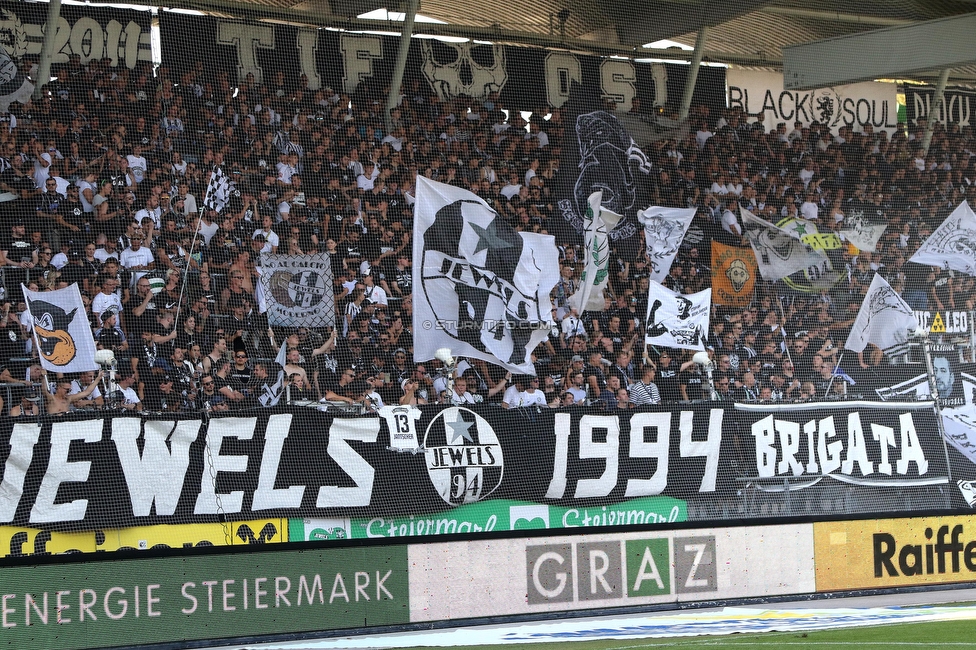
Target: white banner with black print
[(756, 92)]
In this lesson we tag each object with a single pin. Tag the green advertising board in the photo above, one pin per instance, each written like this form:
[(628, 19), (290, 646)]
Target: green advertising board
[(108, 603), (493, 515)]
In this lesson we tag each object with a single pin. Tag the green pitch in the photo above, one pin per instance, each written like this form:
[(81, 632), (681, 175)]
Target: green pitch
[(943, 634)]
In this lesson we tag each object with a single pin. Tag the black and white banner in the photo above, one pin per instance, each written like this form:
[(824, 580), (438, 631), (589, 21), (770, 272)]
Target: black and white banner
[(60, 329), (83, 472), (761, 93), (957, 105), (598, 154), (860, 443), (780, 253), (664, 230), (675, 320), (483, 287), (524, 77), (953, 244), (861, 231), (884, 319), (297, 290), (88, 31), (956, 384)]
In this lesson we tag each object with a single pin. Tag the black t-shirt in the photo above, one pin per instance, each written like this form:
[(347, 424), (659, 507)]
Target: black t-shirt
[(18, 250), (693, 383), (239, 378), (110, 338), (136, 324), (74, 272), (667, 383), (592, 371)]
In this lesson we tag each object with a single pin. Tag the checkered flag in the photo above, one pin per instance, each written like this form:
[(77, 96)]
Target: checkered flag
[(219, 190)]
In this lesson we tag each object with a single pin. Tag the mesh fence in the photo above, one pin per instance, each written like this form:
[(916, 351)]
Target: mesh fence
[(504, 281)]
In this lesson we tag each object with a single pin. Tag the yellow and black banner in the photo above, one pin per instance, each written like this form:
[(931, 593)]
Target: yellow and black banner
[(894, 552)]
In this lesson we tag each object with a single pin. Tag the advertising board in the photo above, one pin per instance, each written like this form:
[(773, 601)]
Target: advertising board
[(522, 576), (894, 552)]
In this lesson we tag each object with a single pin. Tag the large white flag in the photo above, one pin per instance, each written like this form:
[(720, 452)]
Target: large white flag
[(779, 253), (481, 288), (953, 244), (675, 320), (664, 230), (597, 223), (61, 330), (884, 319), (861, 231)]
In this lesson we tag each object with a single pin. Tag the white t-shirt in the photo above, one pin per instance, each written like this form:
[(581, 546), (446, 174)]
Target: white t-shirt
[(730, 223), (579, 395), (139, 166), (208, 231), (82, 186), (101, 254), (76, 388), (284, 209), (142, 257), (131, 396), (271, 239), (513, 397), (463, 398), (41, 172), (510, 190), (130, 258), (285, 172), (535, 398), (401, 421), (809, 210), (376, 295), (59, 261)]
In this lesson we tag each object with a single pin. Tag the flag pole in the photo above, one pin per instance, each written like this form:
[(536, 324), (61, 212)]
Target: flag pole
[(782, 328), (193, 243)]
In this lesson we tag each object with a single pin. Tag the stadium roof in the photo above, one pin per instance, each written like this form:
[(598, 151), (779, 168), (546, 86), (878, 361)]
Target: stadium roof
[(743, 32)]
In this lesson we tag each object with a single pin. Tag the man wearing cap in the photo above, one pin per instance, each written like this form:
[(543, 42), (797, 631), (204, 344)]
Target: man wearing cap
[(373, 293), (110, 336), (161, 395)]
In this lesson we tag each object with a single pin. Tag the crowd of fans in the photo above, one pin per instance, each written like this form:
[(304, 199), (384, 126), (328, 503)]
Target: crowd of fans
[(103, 178)]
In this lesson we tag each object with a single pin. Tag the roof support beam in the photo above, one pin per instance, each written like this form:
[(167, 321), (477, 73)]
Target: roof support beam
[(867, 56), (936, 107), (47, 49), (836, 17), (696, 59), (401, 62)]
